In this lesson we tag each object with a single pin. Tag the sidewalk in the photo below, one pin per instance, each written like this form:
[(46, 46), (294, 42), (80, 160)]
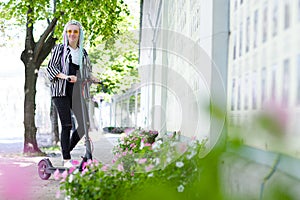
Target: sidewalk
[(101, 145), (19, 179)]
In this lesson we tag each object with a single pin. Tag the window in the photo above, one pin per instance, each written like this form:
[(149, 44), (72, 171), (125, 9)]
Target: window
[(265, 23), (234, 46), (275, 17), (287, 13), (247, 33), (285, 81), (239, 95), (298, 10), (241, 40), (254, 90), (298, 80), (246, 90), (255, 28), (263, 85), (273, 82), (233, 94)]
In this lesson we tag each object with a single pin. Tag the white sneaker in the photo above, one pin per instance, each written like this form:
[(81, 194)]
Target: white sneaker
[(68, 163)]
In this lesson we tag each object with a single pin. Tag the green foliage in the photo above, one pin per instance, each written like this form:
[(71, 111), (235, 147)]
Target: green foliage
[(133, 139), (117, 63), (171, 167), (98, 17)]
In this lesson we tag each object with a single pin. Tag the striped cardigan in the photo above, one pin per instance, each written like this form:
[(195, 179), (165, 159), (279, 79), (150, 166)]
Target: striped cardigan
[(58, 86)]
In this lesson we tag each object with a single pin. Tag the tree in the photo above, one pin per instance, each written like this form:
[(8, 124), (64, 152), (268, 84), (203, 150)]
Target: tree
[(98, 17), (117, 63)]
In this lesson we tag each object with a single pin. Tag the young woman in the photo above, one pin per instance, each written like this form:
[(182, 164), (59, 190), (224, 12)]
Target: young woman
[(68, 66)]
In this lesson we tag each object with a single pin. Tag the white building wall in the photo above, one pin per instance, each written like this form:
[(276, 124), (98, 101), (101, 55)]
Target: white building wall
[(176, 59), (264, 67)]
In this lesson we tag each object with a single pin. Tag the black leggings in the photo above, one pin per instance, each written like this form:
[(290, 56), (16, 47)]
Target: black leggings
[(63, 105)]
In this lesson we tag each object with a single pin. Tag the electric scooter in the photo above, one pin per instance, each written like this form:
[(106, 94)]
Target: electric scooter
[(45, 167)]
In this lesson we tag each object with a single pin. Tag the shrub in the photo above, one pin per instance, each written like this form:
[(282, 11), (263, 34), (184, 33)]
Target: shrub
[(166, 164)]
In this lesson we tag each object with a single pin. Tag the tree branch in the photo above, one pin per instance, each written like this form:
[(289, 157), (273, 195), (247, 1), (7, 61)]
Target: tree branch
[(29, 28), (46, 49), (43, 37)]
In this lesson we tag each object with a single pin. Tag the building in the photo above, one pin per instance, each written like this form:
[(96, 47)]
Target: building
[(241, 56)]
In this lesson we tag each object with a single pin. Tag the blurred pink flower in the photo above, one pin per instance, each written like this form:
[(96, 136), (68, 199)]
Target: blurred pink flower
[(147, 145), (64, 175), (149, 167), (72, 169), (142, 160), (120, 167), (132, 145), (128, 130), (104, 168), (182, 147), (56, 175), (75, 162), (84, 171)]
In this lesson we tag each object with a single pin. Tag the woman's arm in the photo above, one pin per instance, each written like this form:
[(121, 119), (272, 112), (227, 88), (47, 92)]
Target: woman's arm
[(54, 65)]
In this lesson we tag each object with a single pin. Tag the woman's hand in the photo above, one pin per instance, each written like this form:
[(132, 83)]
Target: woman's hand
[(72, 78)]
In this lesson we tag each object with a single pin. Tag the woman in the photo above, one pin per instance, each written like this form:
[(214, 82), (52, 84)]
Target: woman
[(69, 64)]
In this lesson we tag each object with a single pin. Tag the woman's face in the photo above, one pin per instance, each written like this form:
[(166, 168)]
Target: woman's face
[(73, 34)]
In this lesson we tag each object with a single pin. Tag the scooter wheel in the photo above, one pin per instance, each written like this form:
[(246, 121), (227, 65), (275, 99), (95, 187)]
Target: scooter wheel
[(42, 166)]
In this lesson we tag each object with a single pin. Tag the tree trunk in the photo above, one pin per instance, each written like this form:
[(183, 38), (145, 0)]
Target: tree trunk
[(32, 57), (30, 142)]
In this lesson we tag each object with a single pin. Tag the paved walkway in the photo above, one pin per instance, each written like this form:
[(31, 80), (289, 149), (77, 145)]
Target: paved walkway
[(19, 179)]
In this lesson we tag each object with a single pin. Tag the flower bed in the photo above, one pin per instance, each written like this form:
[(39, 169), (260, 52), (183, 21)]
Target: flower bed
[(141, 166)]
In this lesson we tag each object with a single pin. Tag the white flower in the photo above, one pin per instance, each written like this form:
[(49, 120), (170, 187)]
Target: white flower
[(156, 145), (71, 178), (193, 143), (157, 161), (180, 188), (169, 159), (192, 154), (142, 145), (179, 164), (150, 175)]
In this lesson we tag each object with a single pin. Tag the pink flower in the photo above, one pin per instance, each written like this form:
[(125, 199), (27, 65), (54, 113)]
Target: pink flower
[(89, 162), (104, 168), (132, 145), (56, 175), (147, 145), (142, 160), (75, 162), (149, 167), (84, 165), (72, 169), (128, 130), (96, 162), (120, 168), (182, 147), (64, 175)]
